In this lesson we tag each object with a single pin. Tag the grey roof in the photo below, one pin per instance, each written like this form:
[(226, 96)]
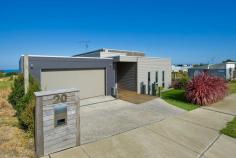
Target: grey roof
[(229, 61), (213, 66)]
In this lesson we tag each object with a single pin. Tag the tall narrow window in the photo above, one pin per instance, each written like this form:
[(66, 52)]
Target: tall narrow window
[(149, 83), (163, 78), (156, 77)]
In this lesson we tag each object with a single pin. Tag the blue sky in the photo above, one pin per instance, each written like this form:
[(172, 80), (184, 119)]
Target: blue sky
[(188, 31)]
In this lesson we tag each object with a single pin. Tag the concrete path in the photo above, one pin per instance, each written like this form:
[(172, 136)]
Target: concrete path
[(112, 117), (228, 105), (191, 135)]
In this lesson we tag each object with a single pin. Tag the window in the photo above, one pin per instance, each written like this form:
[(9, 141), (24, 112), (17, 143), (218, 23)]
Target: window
[(149, 76), (163, 78), (149, 86), (156, 80)]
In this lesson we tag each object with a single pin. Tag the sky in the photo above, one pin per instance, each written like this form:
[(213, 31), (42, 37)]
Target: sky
[(187, 31)]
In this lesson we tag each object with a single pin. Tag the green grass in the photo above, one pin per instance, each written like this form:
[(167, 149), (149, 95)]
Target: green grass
[(232, 87), (177, 98), (230, 129), (5, 84)]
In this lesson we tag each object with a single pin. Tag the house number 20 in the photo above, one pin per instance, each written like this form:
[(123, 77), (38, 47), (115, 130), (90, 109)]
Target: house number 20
[(59, 98)]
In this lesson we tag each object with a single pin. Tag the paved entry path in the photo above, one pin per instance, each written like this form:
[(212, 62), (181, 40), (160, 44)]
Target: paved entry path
[(192, 134)]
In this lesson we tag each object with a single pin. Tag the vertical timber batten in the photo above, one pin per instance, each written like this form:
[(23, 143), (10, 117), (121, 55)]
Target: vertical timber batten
[(77, 102), (26, 73), (39, 145)]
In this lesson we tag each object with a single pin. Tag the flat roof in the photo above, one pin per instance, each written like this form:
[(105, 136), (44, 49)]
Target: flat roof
[(134, 58), (111, 50), (51, 56)]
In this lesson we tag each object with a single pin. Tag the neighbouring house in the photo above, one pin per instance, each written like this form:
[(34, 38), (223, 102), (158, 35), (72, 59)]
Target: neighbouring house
[(181, 67), (226, 70), (99, 72)]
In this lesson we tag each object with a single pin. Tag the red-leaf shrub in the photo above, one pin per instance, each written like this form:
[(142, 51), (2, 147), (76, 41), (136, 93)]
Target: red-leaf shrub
[(205, 89)]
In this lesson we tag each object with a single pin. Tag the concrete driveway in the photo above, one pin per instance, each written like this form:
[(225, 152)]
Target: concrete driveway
[(103, 117), (192, 134)]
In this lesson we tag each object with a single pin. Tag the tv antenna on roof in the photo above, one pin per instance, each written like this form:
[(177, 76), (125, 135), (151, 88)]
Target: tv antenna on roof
[(212, 60), (85, 43)]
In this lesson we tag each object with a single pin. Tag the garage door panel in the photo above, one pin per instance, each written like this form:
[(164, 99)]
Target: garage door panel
[(90, 82)]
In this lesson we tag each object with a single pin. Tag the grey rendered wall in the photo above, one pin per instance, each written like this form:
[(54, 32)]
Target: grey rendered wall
[(36, 64), (152, 65), (21, 64), (127, 75)]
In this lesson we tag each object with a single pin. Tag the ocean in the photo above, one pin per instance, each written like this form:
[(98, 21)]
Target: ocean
[(10, 70)]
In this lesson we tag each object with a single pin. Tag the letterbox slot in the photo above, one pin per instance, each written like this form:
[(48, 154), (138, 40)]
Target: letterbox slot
[(61, 122), (60, 112)]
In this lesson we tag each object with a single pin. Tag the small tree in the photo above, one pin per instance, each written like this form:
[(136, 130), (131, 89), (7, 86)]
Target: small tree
[(205, 89)]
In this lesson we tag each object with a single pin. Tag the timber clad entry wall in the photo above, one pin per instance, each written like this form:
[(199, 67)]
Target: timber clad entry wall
[(127, 75), (90, 82)]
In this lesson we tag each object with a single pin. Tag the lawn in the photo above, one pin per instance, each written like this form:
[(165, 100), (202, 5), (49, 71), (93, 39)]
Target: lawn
[(5, 82), (232, 87), (177, 98), (230, 129)]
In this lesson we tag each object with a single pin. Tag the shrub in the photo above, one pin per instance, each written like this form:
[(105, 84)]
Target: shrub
[(180, 83), (17, 91), (26, 117), (204, 89), (24, 103)]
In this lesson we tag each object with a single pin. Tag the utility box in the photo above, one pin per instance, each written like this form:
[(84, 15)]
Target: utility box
[(155, 89), (143, 88), (57, 123)]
